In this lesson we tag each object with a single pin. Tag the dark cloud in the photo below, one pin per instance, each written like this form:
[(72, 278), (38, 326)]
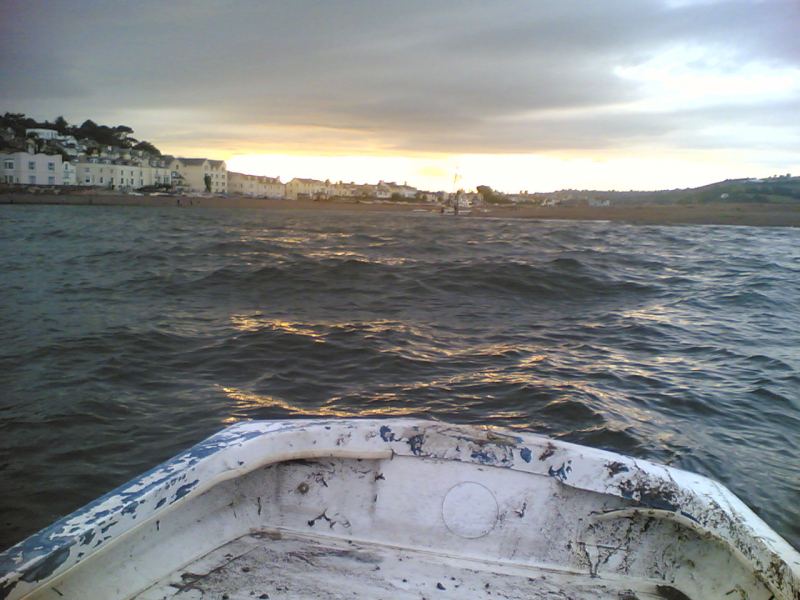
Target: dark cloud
[(443, 76)]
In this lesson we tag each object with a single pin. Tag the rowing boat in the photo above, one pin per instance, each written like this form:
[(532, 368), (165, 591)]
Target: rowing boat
[(405, 509)]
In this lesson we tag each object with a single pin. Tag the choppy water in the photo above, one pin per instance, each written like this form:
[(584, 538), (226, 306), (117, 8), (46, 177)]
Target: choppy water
[(127, 334)]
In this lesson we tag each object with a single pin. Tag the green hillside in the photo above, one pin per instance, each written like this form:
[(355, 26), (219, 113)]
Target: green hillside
[(13, 136), (777, 189)]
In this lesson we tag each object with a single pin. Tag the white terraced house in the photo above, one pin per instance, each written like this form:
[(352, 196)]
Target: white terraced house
[(404, 191), (103, 172), (43, 134), (31, 169), (69, 173), (255, 185), (194, 171)]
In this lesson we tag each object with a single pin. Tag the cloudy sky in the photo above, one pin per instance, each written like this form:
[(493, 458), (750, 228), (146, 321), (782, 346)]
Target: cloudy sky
[(538, 95)]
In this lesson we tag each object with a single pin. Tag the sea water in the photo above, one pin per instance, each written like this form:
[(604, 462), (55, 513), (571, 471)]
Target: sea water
[(128, 334)]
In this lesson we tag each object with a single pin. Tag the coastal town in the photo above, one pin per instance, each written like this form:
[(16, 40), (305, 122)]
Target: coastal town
[(49, 157), (43, 157)]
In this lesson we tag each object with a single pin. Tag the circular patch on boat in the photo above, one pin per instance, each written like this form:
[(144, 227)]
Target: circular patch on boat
[(469, 510)]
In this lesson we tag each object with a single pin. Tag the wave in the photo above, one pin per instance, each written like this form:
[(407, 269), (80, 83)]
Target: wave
[(134, 333)]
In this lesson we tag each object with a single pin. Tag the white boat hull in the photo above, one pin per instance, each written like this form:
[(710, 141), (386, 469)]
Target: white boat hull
[(396, 509)]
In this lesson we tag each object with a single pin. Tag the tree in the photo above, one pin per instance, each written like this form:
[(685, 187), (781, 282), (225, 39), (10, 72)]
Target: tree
[(490, 196), (87, 129), (147, 147), (61, 124), (486, 192), (15, 121), (207, 181)]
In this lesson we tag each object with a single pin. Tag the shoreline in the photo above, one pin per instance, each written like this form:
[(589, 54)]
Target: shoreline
[(758, 215)]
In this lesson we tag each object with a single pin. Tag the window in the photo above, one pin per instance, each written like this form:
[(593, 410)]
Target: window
[(51, 166), (31, 178), (101, 180), (9, 164), (31, 165), (51, 180), (87, 180)]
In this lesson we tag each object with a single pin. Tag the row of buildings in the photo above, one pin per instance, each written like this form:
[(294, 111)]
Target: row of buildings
[(128, 169), (114, 169), (57, 159), (181, 175)]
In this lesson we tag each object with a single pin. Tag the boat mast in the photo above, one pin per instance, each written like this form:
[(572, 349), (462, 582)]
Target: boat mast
[(456, 192)]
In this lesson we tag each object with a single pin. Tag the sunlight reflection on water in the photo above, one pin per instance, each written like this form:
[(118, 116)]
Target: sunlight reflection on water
[(132, 334)]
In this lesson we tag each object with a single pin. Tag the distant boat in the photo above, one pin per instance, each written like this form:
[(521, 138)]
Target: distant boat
[(455, 207), (404, 509)]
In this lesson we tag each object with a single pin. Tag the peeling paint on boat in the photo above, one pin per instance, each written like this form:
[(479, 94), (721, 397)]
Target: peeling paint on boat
[(608, 504), (38, 557)]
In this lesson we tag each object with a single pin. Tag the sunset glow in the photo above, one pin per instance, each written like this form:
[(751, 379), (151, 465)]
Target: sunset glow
[(511, 173), (645, 94)]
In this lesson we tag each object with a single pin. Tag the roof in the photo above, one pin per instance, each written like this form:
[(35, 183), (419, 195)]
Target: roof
[(192, 162), (258, 178)]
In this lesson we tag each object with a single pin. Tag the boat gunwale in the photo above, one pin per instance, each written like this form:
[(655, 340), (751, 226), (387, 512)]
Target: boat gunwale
[(247, 446)]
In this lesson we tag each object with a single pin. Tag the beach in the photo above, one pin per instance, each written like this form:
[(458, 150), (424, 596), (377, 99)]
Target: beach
[(720, 213)]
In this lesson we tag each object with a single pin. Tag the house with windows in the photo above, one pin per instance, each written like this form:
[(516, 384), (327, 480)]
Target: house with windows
[(346, 190), (41, 133), (219, 176), (258, 186), (388, 189), (68, 173), (306, 188), (194, 172), (120, 174), (31, 168), (66, 144)]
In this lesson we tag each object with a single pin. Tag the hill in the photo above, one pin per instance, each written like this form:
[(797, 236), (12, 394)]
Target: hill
[(776, 189), (14, 126)]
